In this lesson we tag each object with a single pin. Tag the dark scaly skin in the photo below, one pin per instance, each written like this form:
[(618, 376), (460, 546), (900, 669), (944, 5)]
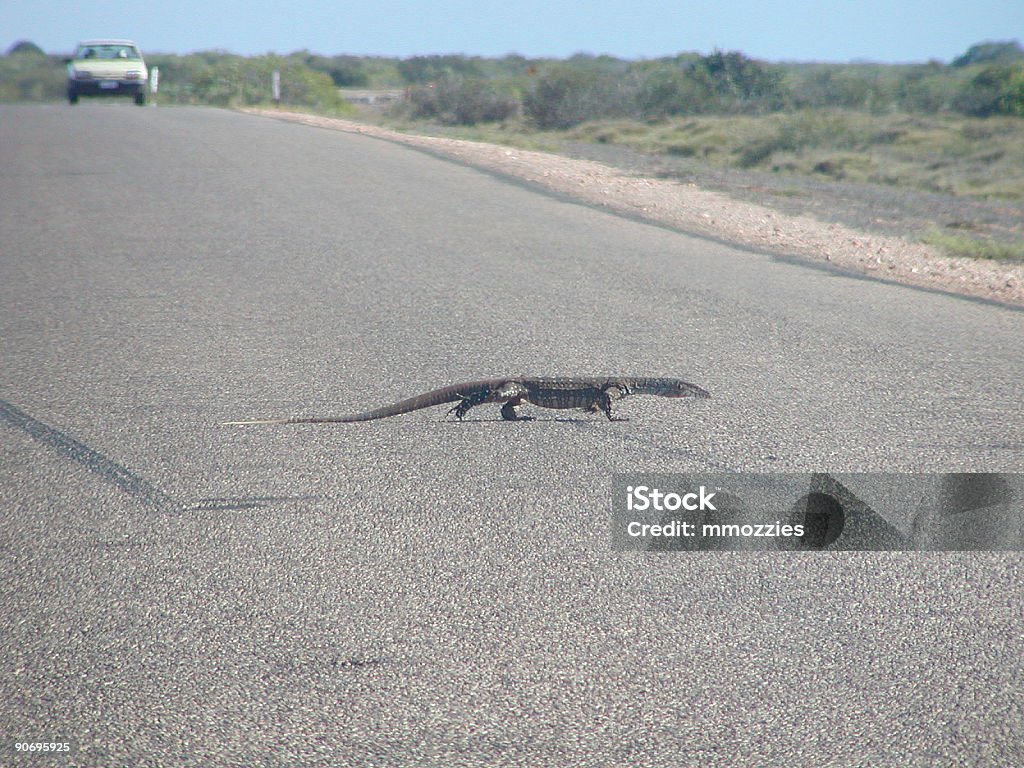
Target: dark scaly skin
[(591, 393)]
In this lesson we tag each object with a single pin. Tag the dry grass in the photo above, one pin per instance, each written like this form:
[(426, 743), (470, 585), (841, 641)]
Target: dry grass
[(973, 157), (965, 246)]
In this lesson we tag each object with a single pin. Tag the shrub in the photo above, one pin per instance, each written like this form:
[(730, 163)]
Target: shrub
[(25, 46), (669, 90), (568, 94), (224, 79), (421, 70), (997, 89), (926, 88), (345, 71), (740, 83), (30, 75), (457, 100), (991, 52)]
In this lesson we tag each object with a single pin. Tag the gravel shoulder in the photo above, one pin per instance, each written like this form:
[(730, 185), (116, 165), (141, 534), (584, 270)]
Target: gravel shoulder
[(820, 228)]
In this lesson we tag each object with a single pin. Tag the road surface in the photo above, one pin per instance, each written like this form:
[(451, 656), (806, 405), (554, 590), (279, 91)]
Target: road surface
[(420, 592)]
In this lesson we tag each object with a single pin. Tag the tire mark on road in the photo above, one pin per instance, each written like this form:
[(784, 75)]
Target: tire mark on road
[(94, 461)]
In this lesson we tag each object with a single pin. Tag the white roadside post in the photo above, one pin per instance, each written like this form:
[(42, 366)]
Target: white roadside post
[(275, 83), (154, 84)]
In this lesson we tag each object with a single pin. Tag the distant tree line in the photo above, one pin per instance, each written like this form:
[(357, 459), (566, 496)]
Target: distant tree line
[(988, 79)]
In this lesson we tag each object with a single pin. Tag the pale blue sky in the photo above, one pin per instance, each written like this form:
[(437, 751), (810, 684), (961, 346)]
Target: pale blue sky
[(776, 30)]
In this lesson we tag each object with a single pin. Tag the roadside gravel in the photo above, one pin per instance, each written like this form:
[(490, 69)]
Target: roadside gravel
[(686, 206)]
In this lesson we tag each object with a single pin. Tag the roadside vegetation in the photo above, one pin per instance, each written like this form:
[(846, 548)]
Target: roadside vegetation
[(940, 153), (975, 247), (214, 78), (955, 128)]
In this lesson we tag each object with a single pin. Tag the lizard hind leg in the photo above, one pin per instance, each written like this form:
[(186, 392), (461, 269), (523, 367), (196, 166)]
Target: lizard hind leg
[(467, 402)]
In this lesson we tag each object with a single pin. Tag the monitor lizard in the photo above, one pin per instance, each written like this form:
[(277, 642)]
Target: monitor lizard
[(591, 393)]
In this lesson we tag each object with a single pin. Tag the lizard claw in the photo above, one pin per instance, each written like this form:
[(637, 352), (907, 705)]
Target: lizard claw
[(460, 409)]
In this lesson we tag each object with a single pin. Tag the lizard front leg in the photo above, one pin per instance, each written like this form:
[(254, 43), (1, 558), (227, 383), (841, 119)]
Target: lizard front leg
[(508, 411), (603, 402)]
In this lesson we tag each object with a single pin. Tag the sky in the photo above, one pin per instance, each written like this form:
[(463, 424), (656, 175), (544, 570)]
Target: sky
[(889, 31)]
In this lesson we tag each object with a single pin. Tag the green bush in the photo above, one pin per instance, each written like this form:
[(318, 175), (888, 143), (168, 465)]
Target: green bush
[(28, 74), (739, 83), (223, 79), (997, 89), (568, 94), (927, 88), (991, 52), (25, 46), (869, 88), (456, 100), (1011, 101), (344, 71), (422, 70), (669, 90)]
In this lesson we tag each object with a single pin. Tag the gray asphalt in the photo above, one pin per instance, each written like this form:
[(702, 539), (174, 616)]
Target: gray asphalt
[(416, 592)]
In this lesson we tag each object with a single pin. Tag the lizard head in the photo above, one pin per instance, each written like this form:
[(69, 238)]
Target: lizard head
[(679, 388)]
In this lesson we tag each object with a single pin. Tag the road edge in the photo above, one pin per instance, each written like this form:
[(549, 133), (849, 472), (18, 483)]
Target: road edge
[(690, 209)]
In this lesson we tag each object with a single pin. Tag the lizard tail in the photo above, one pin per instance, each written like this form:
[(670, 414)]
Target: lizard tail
[(369, 416), (258, 421)]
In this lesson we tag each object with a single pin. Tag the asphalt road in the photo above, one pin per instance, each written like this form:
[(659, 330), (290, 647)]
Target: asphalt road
[(420, 592)]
